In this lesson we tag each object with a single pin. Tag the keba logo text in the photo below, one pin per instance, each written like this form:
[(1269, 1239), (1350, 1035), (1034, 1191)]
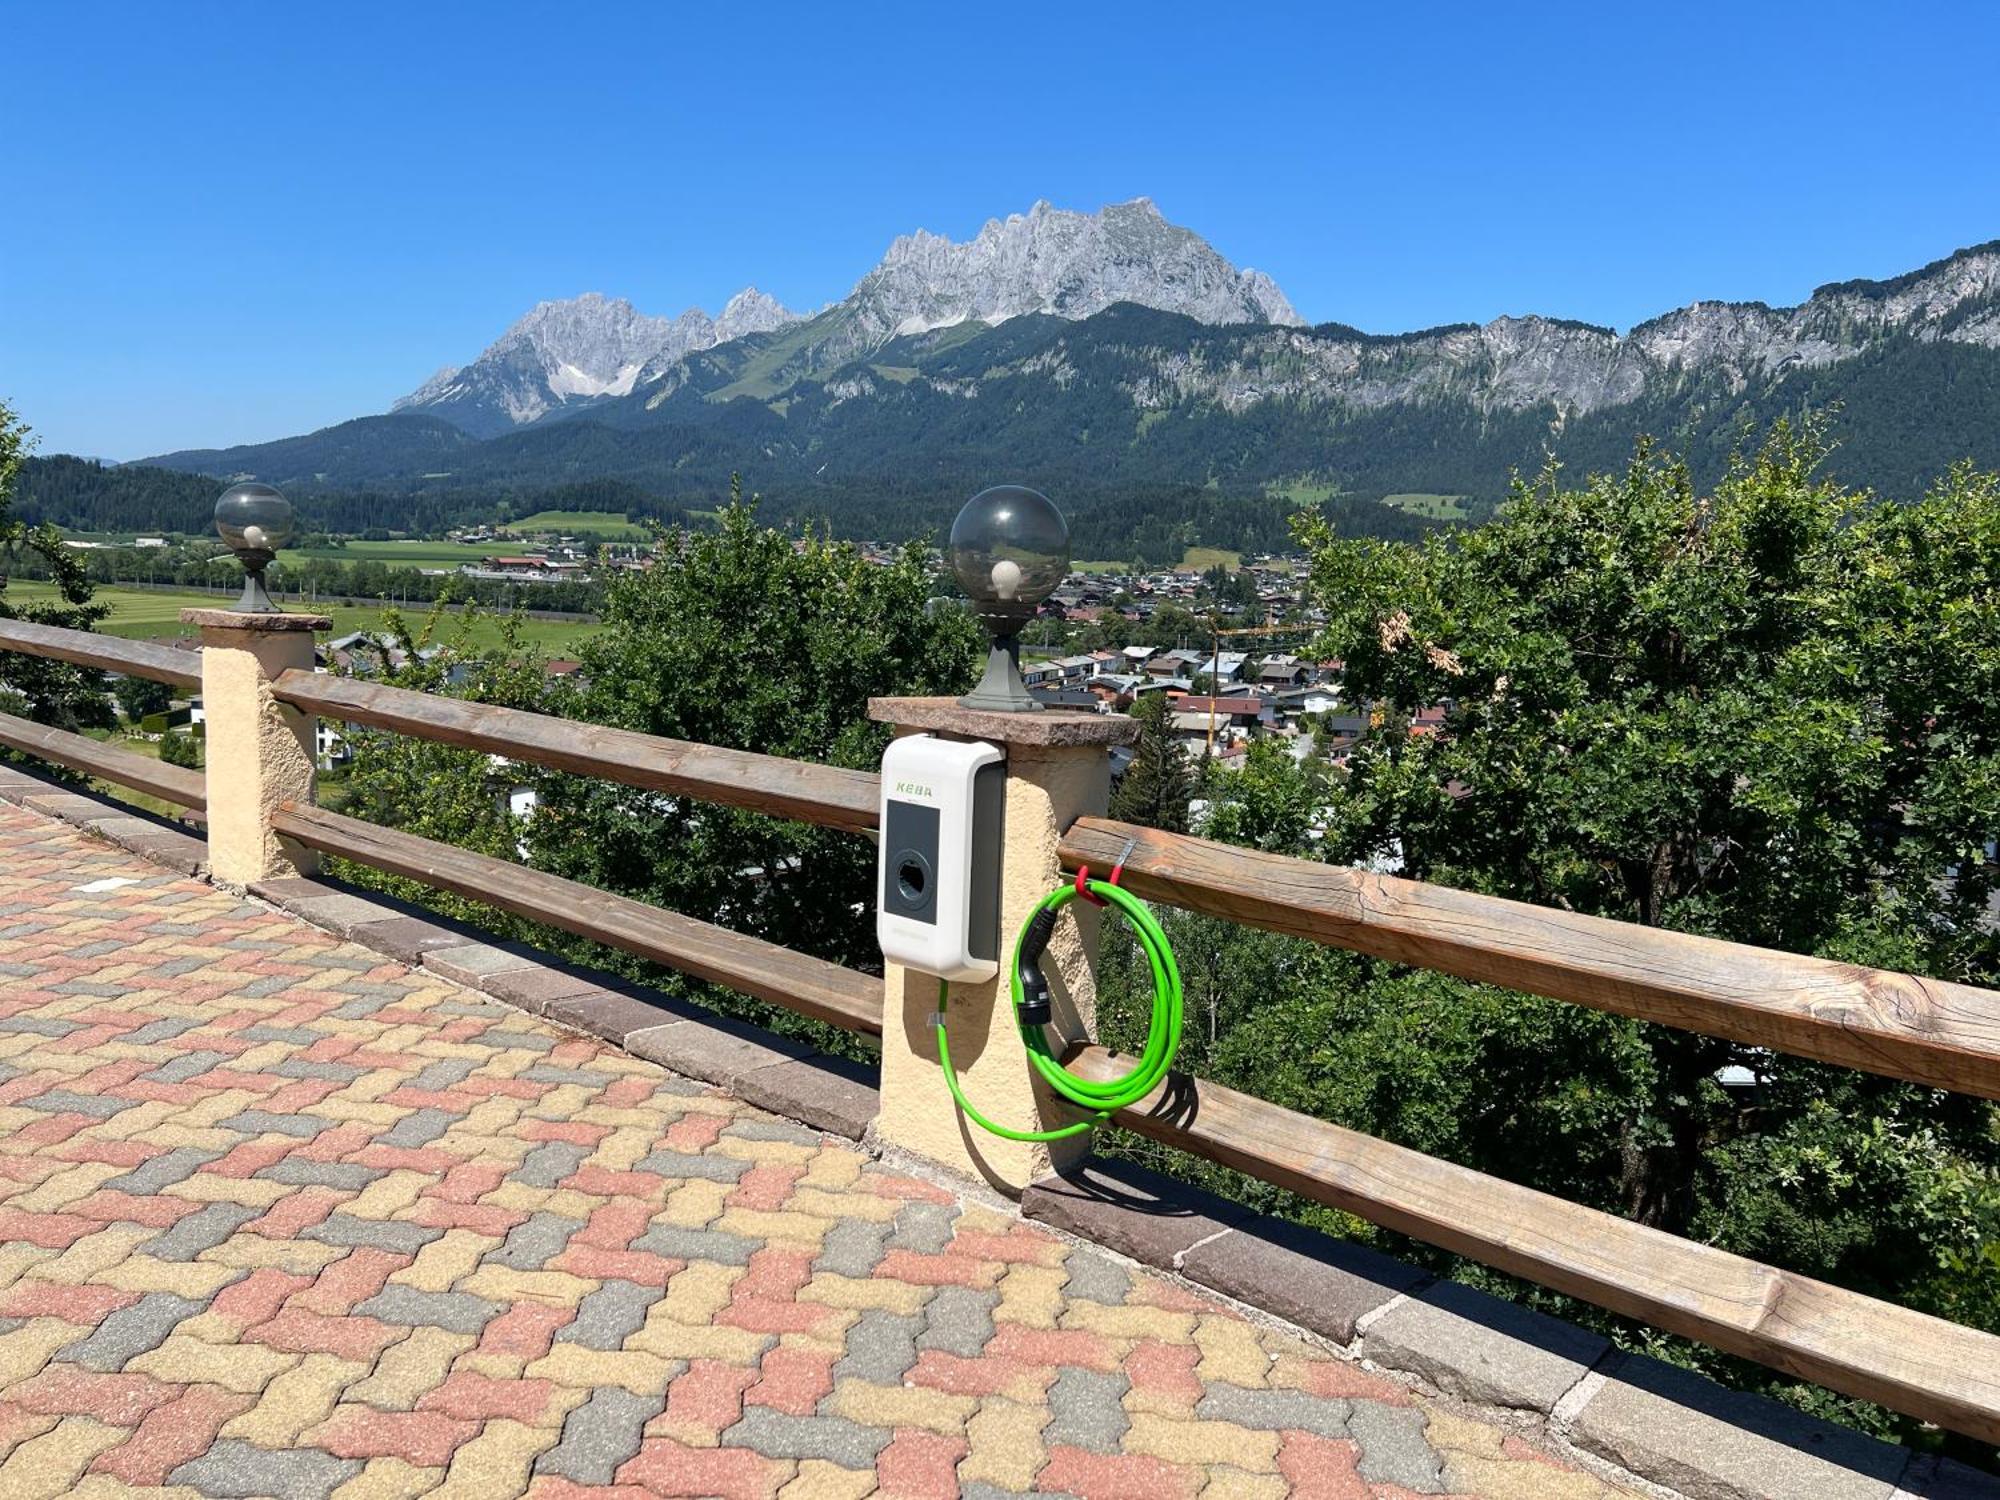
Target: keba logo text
[(913, 789)]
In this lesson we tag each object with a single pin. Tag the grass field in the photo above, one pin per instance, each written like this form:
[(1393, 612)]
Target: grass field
[(396, 554), (1434, 507), (1201, 559), (157, 612), (599, 522)]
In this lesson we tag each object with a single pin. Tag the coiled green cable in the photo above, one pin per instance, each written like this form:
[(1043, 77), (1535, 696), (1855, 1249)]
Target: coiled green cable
[(1163, 1036)]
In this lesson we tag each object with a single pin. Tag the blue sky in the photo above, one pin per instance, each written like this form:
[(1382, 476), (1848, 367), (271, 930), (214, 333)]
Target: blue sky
[(233, 223)]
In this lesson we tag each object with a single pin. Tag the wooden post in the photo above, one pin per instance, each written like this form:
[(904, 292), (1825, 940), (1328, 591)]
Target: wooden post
[(1058, 770), (260, 753)]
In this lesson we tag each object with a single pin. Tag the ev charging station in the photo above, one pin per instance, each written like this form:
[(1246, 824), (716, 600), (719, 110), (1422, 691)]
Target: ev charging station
[(939, 909)]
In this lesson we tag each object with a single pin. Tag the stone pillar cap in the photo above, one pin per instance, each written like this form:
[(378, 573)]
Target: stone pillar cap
[(1053, 727), (232, 619)]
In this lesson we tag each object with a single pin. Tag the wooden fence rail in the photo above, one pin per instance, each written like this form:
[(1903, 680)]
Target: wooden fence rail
[(1925, 1030), (801, 790), (175, 784), (1920, 1365), (794, 981), (83, 648)]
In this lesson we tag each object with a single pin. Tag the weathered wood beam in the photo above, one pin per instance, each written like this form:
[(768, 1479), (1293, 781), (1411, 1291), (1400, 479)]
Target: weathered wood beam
[(110, 653), (142, 773)]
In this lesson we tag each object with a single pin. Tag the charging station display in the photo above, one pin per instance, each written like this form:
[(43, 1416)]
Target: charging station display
[(938, 909)]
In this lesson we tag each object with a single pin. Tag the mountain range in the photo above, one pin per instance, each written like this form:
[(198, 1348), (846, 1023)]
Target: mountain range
[(1121, 362)]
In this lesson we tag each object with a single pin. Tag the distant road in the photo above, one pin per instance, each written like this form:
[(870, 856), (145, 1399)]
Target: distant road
[(550, 616)]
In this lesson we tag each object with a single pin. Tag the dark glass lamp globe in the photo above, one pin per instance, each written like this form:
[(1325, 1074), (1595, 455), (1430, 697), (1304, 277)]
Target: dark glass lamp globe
[(255, 521), (1009, 548)]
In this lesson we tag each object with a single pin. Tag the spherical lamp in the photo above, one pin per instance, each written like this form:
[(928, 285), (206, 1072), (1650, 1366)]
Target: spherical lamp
[(255, 521), (1010, 550)]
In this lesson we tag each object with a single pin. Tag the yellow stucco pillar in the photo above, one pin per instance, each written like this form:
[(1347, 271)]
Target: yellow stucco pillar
[(259, 752), (1058, 770)]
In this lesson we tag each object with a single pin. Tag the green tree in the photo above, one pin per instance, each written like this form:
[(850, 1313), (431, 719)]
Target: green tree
[(1159, 783), (1763, 714), (755, 639), (140, 696), (178, 748), (50, 691)]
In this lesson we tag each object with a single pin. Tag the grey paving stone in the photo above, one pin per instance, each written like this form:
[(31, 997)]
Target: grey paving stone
[(340, 912), (162, 1171), (37, 1025), (445, 1073), (417, 1128), (1678, 1429), (530, 1244), (549, 1163), (505, 1039), (532, 989), (697, 1244), (1393, 1448), (410, 1307), (406, 939), (201, 1230), (924, 1228), (853, 1247), (881, 1347), (166, 1028), (983, 1491), (331, 1072), (471, 963), (264, 1122), (298, 1036), (237, 1470), (1087, 1410), (1274, 1411), (958, 1320), (299, 1172), (130, 1332), (1097, 1278), (712, 1049), (588, 1077), (382, 1234), (1321, 1283), (1481, 1348), (610, 1315), (686, 1164), (776, 1435), (833, 1094), (69, 1101), (614, 1015), (1131, 1210), (602, 1433), (187, 1065)]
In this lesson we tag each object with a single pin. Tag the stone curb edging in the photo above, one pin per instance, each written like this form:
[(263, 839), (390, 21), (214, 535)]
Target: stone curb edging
[(1627, 1412), (1623, 1413)]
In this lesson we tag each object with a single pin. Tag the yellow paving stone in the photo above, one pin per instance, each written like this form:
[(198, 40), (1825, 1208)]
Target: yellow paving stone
[(63, 1187), (697, 1292), (1005, 1440), (242, 1367), (836, 1205), (497, 1462), (834, 1170), (803, 1231), (829, 1334), (572, 1204), (204, 1113), (171, 1133), (263, 1057), (865, 1292), (670, 1340), (251, 1252), (350, 1111), (301, 1397), (104, 1487), (412, 1366), (1443, 1429), (695, 1203), (1133, 1322), (444, 1260), (24, 1350), (1031, 1295), (1520, 1479), (184, 1278), (635, 1369), (777, 1153), (621, 1149), (1230, 1352), (504, 1284), (1228, 1483), (49, 1465), (251, 1192), (517, 1197), (875, 1405), (979, 1219), (494, 1117), (16, 1260), (818, 1479), (1202, 1443), (606, 1114), (387, 1195), (389, 1479), (372, 1085)]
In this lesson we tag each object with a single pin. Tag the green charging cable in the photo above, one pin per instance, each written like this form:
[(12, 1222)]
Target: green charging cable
[(1031, 1013)]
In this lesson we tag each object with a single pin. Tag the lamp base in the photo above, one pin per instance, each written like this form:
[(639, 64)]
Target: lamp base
[(253, 600), (1001, 689)]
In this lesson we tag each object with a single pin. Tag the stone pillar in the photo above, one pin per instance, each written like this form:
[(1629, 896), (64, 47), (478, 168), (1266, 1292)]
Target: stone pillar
[(1058, 770), (260, 752)]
